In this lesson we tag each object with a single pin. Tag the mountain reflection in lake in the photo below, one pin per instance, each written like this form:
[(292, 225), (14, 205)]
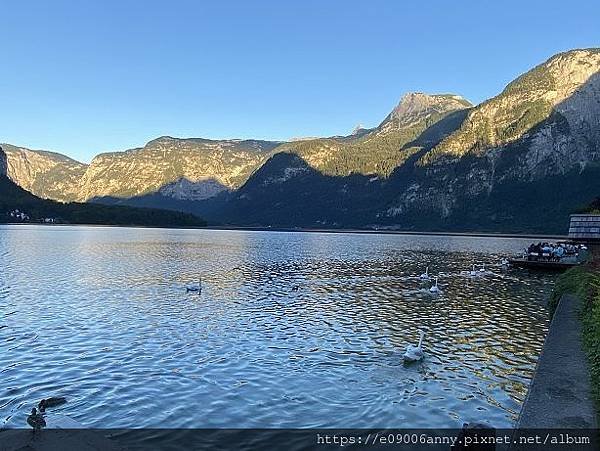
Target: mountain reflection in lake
[(101, 316)]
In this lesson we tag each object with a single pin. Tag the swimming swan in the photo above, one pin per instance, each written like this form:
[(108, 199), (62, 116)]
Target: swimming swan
[(194, 287), (434, 288), (415, 353), (474, 272), (425, 275)]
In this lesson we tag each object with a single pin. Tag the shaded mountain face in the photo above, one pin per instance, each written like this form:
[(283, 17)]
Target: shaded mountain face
[(3, 163), (520, 162), (544, 125)]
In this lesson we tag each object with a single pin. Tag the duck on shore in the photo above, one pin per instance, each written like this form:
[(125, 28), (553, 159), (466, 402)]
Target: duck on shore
[(36, 420)]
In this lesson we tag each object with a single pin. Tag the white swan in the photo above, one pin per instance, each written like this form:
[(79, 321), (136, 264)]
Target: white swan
[(425, 275), (194, 287), (434, 288), (482, 269), (474, 272), (415, 353)]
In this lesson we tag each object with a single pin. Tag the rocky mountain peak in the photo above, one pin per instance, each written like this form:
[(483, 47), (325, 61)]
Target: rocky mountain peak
[(418, 107), (359, 131), (574, 67), (163, 141), (557, 78), (415, 106), (356, 130)]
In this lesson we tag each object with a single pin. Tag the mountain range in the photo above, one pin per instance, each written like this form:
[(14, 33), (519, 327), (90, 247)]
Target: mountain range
[(518, 162), (16, 200)]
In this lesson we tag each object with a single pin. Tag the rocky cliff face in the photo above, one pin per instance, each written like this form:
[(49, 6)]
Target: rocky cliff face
[(183, 168), (184, 189), (46, 174), (188, 169)]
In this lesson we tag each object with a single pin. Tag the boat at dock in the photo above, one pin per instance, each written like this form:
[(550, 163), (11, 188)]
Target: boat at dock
[(557, 256), (524, 262)]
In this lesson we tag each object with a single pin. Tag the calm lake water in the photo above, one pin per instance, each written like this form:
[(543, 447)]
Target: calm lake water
[(101, 316)]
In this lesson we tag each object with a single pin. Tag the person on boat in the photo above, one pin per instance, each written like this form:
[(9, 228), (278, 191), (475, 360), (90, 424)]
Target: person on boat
[(538, 251), (559, 252), (530, 252), (546, 251)]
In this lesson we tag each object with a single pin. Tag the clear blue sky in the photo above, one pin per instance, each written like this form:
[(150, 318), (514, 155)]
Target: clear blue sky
[(84, 77)]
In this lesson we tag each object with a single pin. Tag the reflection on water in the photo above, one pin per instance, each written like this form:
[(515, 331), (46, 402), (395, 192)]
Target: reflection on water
[(101, 316)]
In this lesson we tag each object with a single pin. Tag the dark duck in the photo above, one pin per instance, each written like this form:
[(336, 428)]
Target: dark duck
[(36, 420), (51, 402)]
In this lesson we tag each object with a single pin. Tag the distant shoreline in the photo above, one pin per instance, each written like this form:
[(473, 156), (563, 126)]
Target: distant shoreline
[(390, 232), (315, 230)]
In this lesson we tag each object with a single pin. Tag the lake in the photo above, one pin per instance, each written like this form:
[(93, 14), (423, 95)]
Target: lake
[(290, 330)]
